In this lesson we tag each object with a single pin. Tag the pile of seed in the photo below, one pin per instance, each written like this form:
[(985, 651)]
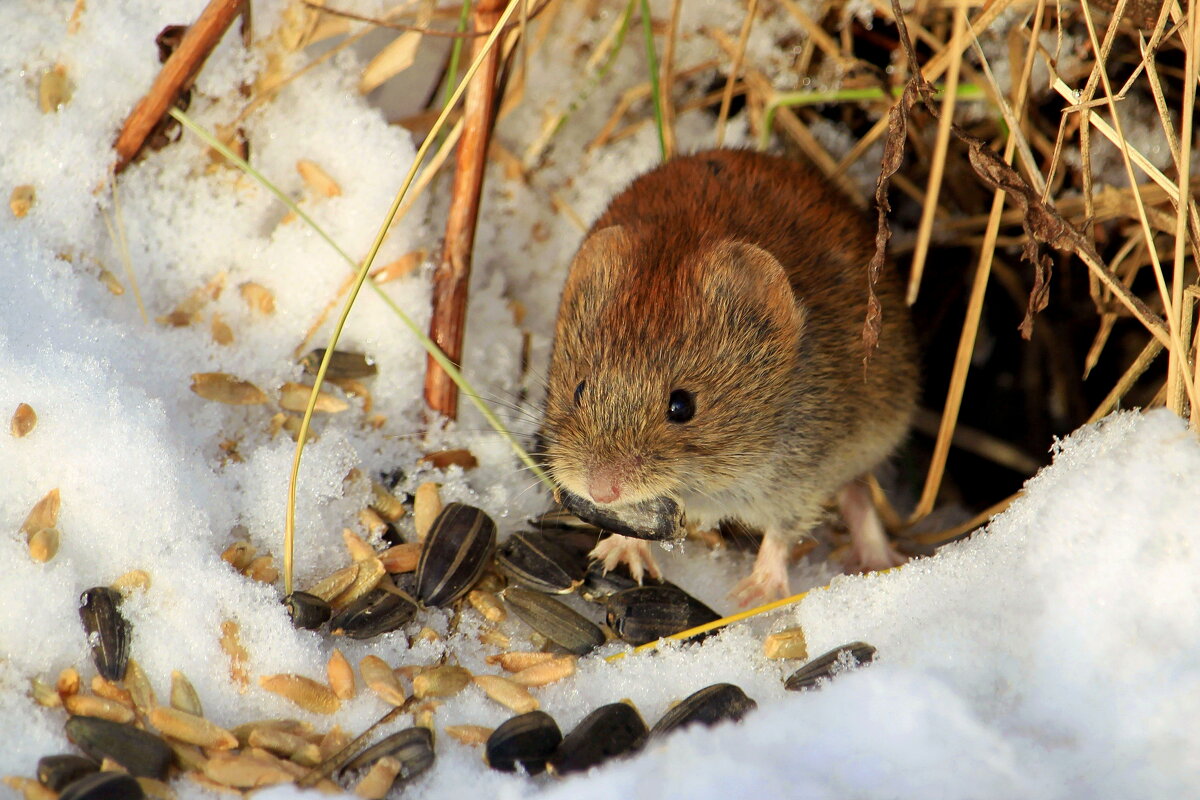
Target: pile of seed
[(132, 745)]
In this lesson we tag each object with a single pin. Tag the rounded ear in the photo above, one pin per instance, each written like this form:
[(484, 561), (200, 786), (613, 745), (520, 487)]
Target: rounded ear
[(598, 257), (743, 274)]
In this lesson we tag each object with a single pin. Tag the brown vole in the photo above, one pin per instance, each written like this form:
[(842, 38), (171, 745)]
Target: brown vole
[(708, 355)]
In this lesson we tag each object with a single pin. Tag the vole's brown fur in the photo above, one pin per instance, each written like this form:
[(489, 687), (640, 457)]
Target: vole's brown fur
[(740, 278)]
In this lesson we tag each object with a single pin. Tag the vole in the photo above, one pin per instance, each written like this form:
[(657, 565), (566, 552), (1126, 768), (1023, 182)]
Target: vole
[(708, 356)]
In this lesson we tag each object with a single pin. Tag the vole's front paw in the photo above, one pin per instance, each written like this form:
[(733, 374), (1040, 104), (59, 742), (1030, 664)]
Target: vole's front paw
[(768, 580), (635, 553)]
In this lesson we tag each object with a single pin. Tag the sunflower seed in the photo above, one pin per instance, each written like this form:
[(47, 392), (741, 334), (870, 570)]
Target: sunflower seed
[(563, 520), (412, 747), (554, 620), (191, 729), (528, 741), (108, 632), (547, 672), (342, 364), (507, 693), (24, 420), (646, 613), (788, 643), (444, 681), (104, 786), (710, 705), (374, 614), (184, 696), (827, 664), (341, 676), (380, 679), (458, 547), (307, 610), (657, 519), (536, 561), (86, 705), (142, 753), (468, 734), (599, 583), (55, 772), (304, 692), (609, 731)]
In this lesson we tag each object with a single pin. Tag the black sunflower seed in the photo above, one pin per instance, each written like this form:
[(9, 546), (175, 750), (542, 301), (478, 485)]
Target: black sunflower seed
[(412, 747), (823, 666), (377, 612), (659, 518), (538, 562), (55, 772), (104, 786), (556, 621), (342, 364), (527, 740), (609, 731), (107, 631), (143, 754), (456, 550), (710, 705), (307, 610), (646, 613)]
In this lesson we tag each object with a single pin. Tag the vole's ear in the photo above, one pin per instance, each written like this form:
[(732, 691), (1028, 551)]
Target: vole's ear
[(740, 275), (595, 264)]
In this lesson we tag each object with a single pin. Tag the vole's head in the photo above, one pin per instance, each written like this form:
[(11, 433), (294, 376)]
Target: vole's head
[(671, 371)]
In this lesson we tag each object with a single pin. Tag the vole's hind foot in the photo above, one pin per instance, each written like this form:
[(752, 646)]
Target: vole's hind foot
[(635, 553), (870, 548), (769, 579)]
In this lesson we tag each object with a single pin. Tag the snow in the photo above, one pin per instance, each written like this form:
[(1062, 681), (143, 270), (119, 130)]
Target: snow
[(1052, 655)]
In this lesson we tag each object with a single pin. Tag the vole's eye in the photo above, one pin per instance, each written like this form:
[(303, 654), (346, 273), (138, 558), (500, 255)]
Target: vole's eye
[(681, 406), (579, 391)]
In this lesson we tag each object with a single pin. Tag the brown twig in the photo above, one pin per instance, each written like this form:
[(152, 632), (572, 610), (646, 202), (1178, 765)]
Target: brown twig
[(448, 321), (175, 76)]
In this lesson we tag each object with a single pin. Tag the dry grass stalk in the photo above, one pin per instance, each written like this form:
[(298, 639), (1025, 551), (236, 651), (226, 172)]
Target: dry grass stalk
[(940, 148), (735, 67)]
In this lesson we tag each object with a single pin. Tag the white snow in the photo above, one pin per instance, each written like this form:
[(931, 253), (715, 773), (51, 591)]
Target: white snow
[(1053, 655)]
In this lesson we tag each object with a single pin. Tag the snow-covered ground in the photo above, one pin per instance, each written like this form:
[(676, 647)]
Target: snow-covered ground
[(1054, 655)]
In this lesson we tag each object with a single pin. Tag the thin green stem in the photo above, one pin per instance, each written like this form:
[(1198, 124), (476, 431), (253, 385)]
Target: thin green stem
[(966, 91), (655, 88)]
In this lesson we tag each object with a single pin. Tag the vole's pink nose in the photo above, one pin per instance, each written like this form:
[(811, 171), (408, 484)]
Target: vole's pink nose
[(604, 487)]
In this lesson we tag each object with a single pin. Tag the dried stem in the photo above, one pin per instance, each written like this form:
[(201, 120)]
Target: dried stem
[(734, 68), (175, 76), (452, 277)]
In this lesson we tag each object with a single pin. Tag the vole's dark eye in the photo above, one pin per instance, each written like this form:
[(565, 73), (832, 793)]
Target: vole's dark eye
[(681, 406), (579, 391)]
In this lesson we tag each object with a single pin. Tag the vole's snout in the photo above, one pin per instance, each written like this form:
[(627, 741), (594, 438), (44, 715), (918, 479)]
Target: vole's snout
[(608, 482)]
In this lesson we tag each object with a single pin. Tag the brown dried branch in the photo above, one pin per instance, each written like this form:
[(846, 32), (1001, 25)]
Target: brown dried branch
[(176, 76), (448, 321)]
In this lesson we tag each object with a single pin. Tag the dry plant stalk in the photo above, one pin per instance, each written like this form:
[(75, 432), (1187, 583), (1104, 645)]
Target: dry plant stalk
[(448, 320), (176, 75)]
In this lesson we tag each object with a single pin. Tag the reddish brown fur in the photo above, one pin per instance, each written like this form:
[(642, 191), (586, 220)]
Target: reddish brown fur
[(672, 289)]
